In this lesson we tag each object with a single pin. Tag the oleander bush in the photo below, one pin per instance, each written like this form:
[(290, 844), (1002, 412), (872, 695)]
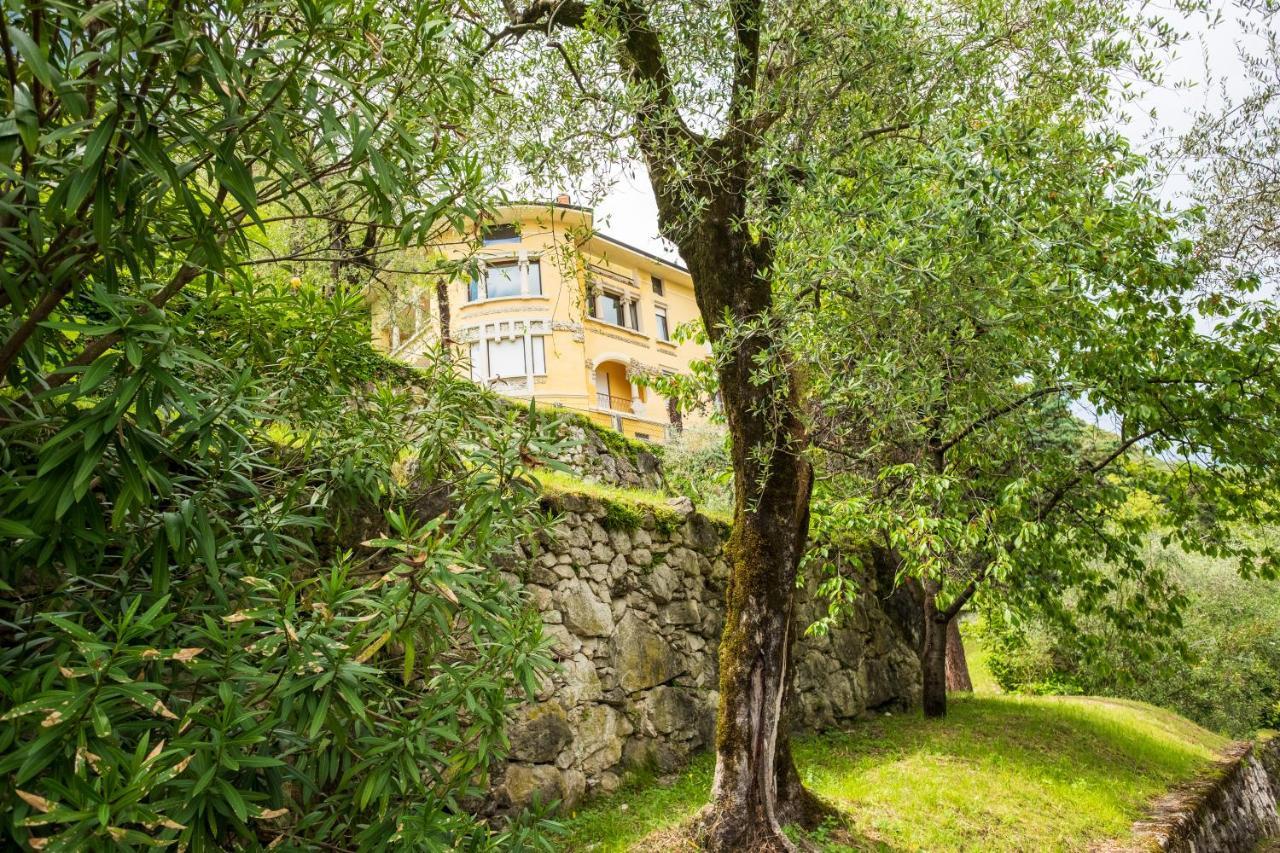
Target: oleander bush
[(297, 631)]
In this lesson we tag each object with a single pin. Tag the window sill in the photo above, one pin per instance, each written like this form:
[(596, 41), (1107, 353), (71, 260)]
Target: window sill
[(516, 382), (521, 298), (605, 324)]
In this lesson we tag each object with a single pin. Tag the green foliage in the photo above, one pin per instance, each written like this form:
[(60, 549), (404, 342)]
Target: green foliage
[(223, 663), (1000, 773), (979, 294), (114, 204), (696, 464), (1233, 154), (197, 648), (1220, 666)]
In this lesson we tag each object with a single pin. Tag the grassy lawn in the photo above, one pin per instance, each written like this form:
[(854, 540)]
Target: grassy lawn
[(999, 773), (976, 656)]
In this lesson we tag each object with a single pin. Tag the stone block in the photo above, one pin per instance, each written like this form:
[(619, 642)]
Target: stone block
[(563, 643), (672, 710), (523, 783), (538, 733), (599, 734), (662, 583), (581, 681), (621, 541), (682, 613), (642, 658), (584, 613)]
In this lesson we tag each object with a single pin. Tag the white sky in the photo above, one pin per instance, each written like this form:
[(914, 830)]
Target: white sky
[(628, 211)]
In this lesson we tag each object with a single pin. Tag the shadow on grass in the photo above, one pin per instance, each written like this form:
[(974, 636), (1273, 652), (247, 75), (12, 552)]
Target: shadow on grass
[(999, 773)]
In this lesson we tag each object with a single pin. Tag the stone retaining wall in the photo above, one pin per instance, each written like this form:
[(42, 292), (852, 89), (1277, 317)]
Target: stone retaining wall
[(633, 600), (592, 460), (1229, 810)]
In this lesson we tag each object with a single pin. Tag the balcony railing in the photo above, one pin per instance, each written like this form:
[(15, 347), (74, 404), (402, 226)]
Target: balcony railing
[(613, 403)]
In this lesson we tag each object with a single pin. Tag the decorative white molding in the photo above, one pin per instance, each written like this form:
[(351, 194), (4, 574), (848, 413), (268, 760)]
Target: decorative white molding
[(499, 330)]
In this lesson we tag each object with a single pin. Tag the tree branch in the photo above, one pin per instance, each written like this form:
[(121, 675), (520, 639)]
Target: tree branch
[(995, 414)]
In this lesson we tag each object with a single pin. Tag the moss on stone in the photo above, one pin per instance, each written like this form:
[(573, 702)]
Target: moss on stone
[(615, 442), (667, 521), (621, 516), (630, 505)]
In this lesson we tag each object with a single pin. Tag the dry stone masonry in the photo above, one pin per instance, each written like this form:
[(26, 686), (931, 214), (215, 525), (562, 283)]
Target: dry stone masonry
[(633, 600), (634, 467), (1232, 809)]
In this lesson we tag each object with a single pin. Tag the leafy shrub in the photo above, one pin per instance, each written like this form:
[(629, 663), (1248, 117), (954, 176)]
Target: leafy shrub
[(696, 464), (273, 610), (1220, 667)]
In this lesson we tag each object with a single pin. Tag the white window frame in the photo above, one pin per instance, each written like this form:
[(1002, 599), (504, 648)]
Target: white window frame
[(662, 323)]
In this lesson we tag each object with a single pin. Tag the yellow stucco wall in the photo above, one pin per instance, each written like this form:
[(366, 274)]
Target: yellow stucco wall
[(582, 353)]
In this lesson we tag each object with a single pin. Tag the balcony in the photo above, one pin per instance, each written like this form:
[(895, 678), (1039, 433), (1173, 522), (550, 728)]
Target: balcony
[(613, 402)]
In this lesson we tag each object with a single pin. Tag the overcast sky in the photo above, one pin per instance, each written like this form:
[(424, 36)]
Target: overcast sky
[(628, 212)]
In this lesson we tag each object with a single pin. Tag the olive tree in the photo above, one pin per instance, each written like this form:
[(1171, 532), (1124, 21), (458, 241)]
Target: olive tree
[(735, 107), (1232, 156)]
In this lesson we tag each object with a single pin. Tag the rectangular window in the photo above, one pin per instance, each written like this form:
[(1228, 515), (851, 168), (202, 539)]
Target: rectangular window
[(502, 280), (538, 354), (498, 235), (635, 316), (610, 307), (657, 284), (508, 358), (535, 278), (660, 318)]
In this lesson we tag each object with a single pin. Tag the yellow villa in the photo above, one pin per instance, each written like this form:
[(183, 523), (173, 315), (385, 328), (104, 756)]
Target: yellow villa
[(548, 308)]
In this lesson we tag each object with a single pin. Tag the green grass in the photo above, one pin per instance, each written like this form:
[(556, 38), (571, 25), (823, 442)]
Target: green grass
[(559, 483), (999, 773), (976, 656)]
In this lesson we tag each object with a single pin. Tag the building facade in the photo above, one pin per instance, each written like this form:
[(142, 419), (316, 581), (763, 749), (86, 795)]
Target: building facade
[(541, 306)]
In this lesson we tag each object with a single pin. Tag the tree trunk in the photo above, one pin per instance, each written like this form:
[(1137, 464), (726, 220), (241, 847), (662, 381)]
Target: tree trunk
[(796, 804), (933, 657), (958, 680), (442, 305), (756, 786), (753, 761)]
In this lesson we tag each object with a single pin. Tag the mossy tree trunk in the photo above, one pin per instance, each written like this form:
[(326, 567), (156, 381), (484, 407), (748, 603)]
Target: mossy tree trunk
[(756, 787), (702, 185)]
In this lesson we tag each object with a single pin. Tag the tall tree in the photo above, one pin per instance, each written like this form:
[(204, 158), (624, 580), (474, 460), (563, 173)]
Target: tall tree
[(1232, 156), (734, 108), (1008, 282)]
